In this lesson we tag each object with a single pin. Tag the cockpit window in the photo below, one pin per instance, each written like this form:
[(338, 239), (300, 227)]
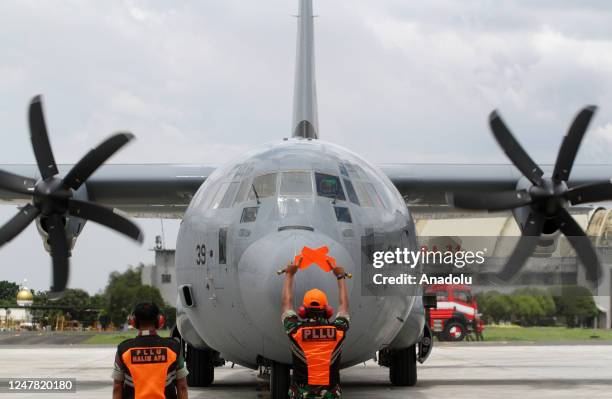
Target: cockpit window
[(242, 170), (263, 186), (245, 187), (350, 191), (360, 172), (343, 214), (295, 184), (329, 186), (363, 195), (352, 172), (375, 195), (249, 214), (219, 195), (343, 170), (228, 198)]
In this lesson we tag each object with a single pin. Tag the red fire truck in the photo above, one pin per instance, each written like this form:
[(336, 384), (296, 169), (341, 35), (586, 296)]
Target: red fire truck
[(456, 313)]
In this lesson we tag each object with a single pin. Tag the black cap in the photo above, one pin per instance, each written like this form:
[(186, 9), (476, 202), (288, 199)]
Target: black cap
[(147, 313)]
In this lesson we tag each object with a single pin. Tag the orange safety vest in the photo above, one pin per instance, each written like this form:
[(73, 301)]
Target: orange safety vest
[(316, 352), (150, 365)]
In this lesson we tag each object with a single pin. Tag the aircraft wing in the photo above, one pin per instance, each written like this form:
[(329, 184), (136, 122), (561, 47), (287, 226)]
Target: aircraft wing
[(144, 190), (427, 184), (165, 190)]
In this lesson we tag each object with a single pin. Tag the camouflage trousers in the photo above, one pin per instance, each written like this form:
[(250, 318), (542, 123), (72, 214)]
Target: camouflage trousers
[(298, 391)]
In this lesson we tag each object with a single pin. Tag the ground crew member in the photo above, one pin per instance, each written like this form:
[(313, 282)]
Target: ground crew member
[(478, 327), (316, 342), (149, 366)]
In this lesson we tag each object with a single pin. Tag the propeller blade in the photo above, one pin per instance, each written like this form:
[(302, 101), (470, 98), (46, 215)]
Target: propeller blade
[(514, 151), (491, 201), (16, 184), (40, 139), (18, 223), (571, 143), (94, 159), (581, 243), (60, 252), (525, 246), (590, 193), (105, 217)]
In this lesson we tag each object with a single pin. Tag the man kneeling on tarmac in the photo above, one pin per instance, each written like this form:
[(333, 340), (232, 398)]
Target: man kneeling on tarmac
[(149, 366), (316, 341)]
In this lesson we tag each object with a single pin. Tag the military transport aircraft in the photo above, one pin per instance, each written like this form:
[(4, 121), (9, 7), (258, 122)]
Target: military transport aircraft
[(243, 221)]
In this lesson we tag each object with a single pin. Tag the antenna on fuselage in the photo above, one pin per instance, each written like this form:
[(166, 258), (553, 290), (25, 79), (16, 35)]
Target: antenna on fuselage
[(305, 117)]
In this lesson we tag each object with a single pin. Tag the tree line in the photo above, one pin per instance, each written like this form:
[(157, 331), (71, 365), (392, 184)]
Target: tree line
[(570, 305), (110, 307)]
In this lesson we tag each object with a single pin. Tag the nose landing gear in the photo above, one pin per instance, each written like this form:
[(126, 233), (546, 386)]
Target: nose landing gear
[(201, 366), (280, 378)]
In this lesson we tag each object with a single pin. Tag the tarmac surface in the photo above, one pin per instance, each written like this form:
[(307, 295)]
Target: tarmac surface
[(464, 371), (43, 338)]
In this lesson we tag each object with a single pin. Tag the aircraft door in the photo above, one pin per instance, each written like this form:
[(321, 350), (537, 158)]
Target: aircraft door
[(216, 261)]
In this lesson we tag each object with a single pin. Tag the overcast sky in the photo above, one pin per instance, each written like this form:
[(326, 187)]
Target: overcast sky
[(203, 81)]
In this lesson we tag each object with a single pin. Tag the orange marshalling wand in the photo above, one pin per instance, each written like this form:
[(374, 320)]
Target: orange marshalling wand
[(317, 256)]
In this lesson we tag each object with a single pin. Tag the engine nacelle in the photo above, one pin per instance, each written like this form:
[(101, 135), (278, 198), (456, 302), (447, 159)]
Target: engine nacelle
[(74, 227), (550, 230)]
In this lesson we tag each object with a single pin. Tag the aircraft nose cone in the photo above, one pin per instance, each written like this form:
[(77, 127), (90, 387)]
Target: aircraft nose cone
[(261, 286)]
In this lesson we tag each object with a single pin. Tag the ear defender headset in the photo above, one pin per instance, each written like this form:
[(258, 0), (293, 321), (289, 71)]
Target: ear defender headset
[(147, 308), (315, 304)]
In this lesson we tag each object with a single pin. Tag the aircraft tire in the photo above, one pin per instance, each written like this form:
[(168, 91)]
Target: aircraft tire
[(201, 367), (279, 381), (403, 367)]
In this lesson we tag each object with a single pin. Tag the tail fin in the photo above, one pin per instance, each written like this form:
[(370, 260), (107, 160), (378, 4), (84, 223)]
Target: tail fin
[(305, 116)]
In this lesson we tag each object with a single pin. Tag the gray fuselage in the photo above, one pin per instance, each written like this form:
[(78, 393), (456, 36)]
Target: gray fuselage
[(252, 216)]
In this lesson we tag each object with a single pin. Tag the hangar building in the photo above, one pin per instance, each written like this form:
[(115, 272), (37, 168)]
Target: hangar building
[(554, 261)]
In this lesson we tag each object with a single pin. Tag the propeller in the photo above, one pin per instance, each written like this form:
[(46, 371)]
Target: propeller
[(547, 197), (53, 197)]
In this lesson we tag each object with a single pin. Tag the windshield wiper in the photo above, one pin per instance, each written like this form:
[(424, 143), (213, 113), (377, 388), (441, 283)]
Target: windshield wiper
[(256, 195)]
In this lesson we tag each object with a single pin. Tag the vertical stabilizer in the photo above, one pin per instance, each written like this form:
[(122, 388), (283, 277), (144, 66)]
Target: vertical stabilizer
[(305, 117)]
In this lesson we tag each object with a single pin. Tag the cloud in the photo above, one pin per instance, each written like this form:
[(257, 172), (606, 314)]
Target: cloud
[(202, 82)]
